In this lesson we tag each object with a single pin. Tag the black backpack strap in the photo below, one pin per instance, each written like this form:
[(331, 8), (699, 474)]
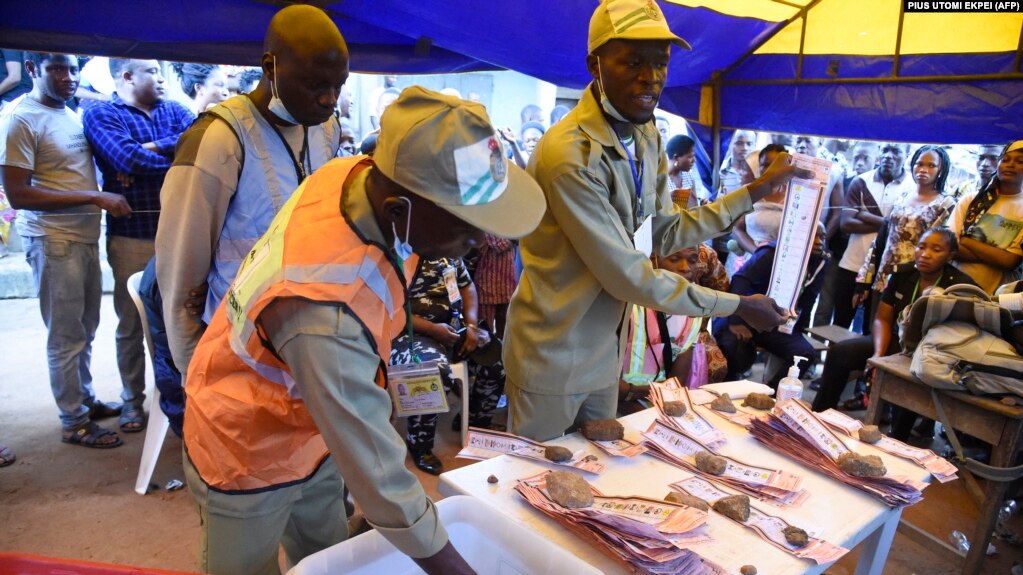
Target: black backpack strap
[(666, 349)]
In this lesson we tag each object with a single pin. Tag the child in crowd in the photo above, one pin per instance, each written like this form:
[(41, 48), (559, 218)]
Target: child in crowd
[(760, 227), (647, 358), (739, 342)]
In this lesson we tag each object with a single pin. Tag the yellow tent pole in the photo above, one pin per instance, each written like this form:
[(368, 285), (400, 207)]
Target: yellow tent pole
[(1019, 51), (716, 130), (898, 41), (801, 14), (802, 44)]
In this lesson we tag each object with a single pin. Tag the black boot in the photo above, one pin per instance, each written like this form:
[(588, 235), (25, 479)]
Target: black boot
[(425, 460)]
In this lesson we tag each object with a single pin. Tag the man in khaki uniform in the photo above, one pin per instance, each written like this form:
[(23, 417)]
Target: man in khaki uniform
[(285, 398), (603, 171)]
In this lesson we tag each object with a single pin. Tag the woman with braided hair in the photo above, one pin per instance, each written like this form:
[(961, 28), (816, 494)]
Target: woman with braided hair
[(205, 84), (990, 224), (910, 218)]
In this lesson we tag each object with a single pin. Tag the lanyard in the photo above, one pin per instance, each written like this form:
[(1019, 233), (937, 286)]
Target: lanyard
[(408, 316), (912, 298), (637, 178), (303, 154)]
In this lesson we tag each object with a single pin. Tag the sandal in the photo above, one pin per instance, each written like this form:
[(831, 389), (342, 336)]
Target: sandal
[(103, 410), (132, 420), (7, 456), (90, 435), (858, 403)]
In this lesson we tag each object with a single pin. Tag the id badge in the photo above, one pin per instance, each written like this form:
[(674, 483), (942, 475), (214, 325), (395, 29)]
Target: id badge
[(417, 389), (451, 283), (644, 237)]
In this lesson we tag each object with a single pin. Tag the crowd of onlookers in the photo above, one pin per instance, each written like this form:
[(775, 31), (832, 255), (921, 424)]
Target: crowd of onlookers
[(897, 219)]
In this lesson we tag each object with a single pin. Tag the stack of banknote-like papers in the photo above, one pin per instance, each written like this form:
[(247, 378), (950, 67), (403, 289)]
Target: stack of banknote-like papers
[(939, 467), (770, 528), (646, 535), (793, 429), (773, 485), (690, 423), (485, 444)]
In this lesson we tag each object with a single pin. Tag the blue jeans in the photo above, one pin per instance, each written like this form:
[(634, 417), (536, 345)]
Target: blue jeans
[(68, 283), (166, 374), (126, 257)]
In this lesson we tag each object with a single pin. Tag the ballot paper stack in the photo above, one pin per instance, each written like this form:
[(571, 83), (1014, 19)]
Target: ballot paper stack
[(770, 528), (937, 466), (772, 485), (485, 444), (620, 447), (794, 430), (647, 535), (690, 423)]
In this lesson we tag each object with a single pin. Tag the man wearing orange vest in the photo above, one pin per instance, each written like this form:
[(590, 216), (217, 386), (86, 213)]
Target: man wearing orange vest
[(285, 389)]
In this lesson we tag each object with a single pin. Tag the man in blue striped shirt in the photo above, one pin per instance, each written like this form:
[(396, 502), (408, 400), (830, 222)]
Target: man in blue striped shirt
[(133, 138)]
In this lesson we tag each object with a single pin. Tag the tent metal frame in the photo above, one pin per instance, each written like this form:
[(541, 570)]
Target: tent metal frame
[(720, 79)]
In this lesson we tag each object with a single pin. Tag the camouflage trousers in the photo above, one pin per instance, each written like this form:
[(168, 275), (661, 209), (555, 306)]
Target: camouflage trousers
[(484, 394)]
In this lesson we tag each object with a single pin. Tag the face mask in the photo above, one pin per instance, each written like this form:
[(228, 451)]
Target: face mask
[(403, 249), (604, 102), (276, 105)]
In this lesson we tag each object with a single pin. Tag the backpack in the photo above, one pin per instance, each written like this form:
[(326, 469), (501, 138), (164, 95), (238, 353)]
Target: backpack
[(961, 340)]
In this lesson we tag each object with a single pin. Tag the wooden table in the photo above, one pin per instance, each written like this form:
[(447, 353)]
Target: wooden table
[(990, 421), (840, 514)]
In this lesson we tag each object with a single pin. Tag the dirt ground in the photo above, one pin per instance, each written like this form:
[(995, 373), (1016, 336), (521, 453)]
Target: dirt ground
[(67, 501)]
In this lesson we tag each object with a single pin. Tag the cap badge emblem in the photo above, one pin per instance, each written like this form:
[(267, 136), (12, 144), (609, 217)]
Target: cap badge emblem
[(498, 167)]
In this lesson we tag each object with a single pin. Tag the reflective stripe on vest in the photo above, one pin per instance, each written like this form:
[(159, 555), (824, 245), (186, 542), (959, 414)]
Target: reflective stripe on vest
[(634, 363), (642, 362), (310, 252), (266, 182)]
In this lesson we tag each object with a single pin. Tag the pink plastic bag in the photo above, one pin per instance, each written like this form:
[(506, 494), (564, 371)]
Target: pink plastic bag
[(698, 372)]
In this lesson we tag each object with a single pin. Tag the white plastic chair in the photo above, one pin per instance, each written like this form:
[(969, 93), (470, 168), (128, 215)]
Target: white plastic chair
[(156, 431), (460, 371)]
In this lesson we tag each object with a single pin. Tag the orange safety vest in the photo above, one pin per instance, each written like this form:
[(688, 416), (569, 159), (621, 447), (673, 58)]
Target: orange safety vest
[(246, 429)]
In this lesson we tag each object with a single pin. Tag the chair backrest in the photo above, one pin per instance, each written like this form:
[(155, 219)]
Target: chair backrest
[(133, 290)]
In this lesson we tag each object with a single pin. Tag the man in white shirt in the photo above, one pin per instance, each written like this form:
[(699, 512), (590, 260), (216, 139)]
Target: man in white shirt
[(49, 176), (868, 201)]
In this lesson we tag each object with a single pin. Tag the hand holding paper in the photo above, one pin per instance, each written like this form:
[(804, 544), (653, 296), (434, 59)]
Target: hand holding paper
[(760, 312), (781, 170)]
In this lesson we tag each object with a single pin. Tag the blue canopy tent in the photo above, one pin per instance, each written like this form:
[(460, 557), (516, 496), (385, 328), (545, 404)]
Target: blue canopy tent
[(861, 69)]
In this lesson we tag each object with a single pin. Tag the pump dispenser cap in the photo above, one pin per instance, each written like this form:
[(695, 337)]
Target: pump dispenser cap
[(794, 370)]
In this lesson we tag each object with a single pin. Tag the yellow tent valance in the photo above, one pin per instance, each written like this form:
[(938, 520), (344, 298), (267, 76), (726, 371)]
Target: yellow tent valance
[(870, 28)]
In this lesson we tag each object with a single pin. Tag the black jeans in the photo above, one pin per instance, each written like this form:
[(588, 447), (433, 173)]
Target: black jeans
[(843, 359), (741, 354), (845, 288)]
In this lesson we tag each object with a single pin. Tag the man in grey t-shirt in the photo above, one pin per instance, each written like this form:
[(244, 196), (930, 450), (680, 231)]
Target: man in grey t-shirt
[(49, 176)]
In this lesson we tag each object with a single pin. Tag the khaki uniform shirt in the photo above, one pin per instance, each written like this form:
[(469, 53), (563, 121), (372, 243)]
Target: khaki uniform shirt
[(334, 366), (581, 269)]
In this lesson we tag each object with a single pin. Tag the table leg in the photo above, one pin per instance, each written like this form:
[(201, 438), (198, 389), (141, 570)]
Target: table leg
[(1001, 456), (873, 416), (874, 549)]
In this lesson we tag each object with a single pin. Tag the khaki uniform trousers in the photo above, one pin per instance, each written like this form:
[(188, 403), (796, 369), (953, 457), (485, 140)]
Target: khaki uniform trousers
[(241, 532)]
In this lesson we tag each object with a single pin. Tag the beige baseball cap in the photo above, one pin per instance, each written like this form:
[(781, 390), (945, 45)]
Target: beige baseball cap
[(629, 20), (445, 149)]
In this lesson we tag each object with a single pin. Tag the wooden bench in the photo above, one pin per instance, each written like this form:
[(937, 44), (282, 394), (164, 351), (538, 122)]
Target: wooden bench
[(832, 333), (995, 423)]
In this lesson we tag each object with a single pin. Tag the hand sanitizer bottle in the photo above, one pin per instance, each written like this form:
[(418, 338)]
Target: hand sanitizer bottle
[(790, 386)]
